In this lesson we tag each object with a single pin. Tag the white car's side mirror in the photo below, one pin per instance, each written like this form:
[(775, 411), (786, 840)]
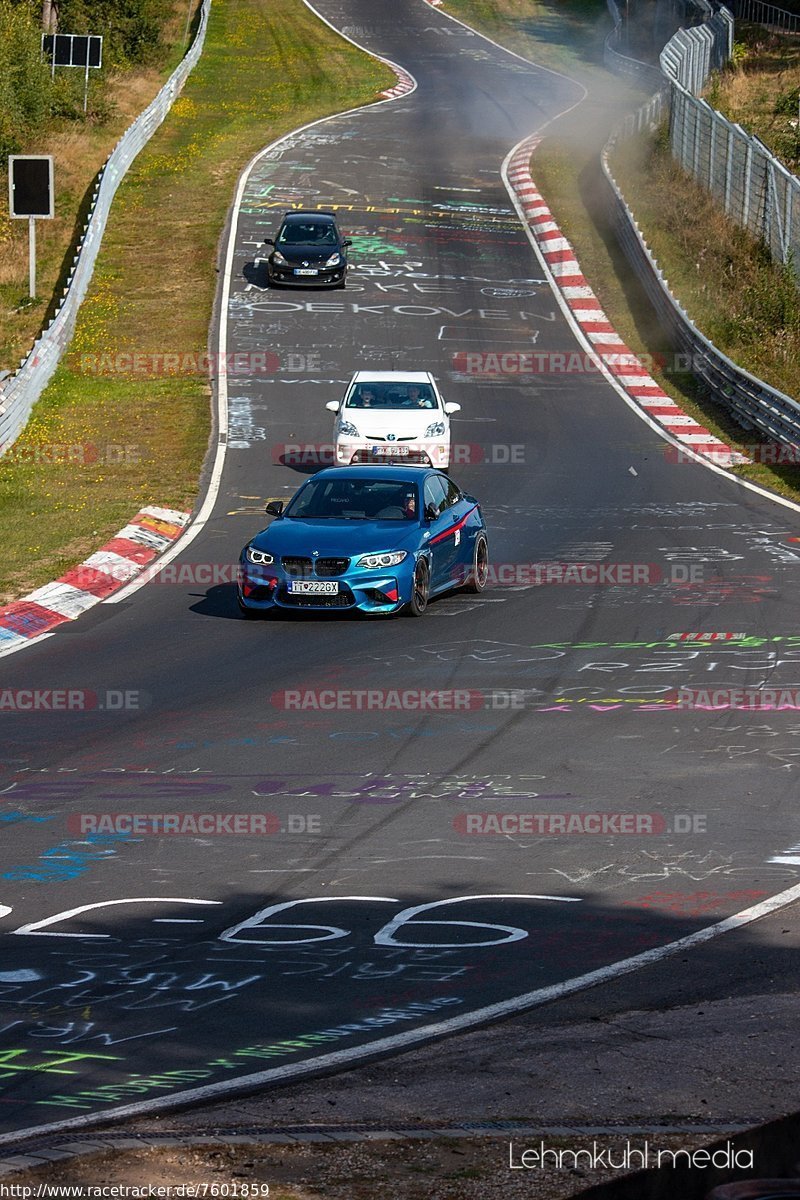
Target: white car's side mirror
[(452, 408), (332, 406)]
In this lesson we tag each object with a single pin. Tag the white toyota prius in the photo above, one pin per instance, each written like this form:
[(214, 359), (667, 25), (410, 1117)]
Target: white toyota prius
[(392, 416)]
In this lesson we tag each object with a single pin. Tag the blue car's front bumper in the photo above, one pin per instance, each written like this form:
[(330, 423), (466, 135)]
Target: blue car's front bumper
[(262, 588)]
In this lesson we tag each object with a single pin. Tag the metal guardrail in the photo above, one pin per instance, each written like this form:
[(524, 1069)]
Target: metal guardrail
[(647, 75), (753, 403), (19, 392), (692, 54)]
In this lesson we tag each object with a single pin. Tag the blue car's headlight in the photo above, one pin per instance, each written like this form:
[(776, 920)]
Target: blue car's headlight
[(375, 561), (259, 556), (334, 260), (435, 430), (348, 429)]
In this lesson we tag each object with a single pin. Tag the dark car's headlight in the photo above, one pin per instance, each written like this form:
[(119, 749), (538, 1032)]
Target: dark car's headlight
[(334, 260), (389, 558), (260, 557), (279, 260)]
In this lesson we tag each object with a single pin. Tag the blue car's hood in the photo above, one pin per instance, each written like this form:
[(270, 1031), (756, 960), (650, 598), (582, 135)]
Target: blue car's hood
[(338, 538)]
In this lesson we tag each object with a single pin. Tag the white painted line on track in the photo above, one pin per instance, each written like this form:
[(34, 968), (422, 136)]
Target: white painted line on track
[(341, 1060)]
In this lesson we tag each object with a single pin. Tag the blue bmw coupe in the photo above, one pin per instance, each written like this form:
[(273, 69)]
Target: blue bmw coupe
[(380, 539)]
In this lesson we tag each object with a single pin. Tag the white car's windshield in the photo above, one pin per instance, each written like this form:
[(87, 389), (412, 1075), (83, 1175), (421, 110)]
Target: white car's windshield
[(405, 397)]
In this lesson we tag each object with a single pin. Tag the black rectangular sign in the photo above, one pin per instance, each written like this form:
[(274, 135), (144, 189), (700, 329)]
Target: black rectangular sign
[(73, 49), (30, 185)]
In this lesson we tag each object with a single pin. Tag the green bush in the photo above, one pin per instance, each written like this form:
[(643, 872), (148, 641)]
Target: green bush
[(787, 103), (30, 97), (131, 29), (25, 84)]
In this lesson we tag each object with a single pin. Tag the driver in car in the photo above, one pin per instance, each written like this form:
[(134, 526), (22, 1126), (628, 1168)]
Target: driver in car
[(415, 397)]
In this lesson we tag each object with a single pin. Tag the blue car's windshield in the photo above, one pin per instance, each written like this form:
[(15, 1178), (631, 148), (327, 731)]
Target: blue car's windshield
[(356, 500)]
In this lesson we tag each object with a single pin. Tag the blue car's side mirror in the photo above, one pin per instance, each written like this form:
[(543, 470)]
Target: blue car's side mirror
[(274, 508)]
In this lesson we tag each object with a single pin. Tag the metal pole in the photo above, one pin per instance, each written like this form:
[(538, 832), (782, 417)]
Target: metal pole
[(86, 83), (32, 257), (188, 21)]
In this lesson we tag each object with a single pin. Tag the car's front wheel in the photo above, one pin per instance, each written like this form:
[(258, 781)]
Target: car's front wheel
[(479, 572), (420, 589)]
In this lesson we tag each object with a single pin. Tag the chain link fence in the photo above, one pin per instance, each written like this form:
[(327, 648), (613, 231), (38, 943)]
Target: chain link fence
[(19, 392)]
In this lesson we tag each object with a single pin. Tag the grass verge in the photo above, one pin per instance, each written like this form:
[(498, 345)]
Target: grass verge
[(667, 205), (99, 447)]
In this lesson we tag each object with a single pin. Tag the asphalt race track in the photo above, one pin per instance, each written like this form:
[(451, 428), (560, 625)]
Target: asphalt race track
[(396, 866)]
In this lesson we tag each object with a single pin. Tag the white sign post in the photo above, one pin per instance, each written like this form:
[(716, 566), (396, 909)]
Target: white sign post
[(30, 194), (74, 50)]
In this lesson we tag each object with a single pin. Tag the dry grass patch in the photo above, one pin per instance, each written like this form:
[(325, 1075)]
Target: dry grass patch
[(762, 93)]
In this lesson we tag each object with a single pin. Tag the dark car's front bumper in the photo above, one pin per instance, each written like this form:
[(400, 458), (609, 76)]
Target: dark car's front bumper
[(325, 277)]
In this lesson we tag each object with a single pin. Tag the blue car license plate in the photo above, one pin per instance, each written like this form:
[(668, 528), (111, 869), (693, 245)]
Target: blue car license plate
[(305, 271), (313, 587)]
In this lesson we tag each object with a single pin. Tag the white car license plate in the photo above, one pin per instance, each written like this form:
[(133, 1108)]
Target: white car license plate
[(306, 271), (391, 451), (313, 587)]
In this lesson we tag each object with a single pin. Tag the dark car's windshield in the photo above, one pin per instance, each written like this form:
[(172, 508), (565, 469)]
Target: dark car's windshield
[(405, 396), (307, 233), (357, 500)]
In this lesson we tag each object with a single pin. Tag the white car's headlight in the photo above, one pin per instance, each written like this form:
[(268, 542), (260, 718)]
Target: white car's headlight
[(334, 260), (279, 260), (435, 430), (348, 429), (375, 561), (259, 556)]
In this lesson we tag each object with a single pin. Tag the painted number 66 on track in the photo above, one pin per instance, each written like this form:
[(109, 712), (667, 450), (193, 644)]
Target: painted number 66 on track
[(260, 928)]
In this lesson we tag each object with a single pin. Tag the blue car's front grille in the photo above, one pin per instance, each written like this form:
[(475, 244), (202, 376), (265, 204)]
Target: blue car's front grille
[(304, 568), (300, 567), (332, 566)]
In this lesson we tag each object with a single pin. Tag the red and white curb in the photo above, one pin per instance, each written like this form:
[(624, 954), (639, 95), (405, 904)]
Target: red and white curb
[(406, 83), (587, 313), (110, 568)]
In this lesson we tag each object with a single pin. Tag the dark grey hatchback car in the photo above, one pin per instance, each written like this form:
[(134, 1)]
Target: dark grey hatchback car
[(309, 251)]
